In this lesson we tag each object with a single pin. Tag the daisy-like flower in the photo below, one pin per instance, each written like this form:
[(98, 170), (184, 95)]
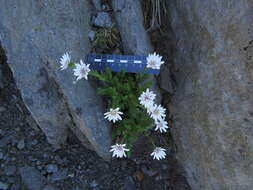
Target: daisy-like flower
[(157, 112), (65, 61), (119, 150), (82, 70), (154, 61), (158, 153), (147, 98), (113, 115), (161, 125)]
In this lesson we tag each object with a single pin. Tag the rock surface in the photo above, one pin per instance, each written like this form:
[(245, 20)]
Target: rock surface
[(213, 105), (34, 35), (102, 19), (128, 14), (1, 77), (32, 178), (97, 4), (135, 40)]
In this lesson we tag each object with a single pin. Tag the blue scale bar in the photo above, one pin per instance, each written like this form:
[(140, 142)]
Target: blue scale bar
[(128, 63)]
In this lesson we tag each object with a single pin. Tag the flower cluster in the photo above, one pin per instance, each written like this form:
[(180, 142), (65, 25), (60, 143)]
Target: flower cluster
[(157, 113), (146, 99), (81, 69)]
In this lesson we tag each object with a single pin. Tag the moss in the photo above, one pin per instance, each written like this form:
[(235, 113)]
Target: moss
[(106, 39)]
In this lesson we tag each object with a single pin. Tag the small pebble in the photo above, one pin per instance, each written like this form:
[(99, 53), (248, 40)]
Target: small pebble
[(93, 184), (21, 144), (51, 168), (1, 132), (1, 155), (91, 35), (34, 142), (10, 170), (2, 109), (59, 175), (49, 187), (71, 175), (38, 162)]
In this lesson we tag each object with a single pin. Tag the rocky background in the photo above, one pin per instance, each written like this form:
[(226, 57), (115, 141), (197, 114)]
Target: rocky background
[(52, 132), (212, 108)]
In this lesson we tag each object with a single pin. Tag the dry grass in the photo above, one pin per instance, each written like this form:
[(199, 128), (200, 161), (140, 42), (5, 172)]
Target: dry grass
[(153, 11), (106, 38)]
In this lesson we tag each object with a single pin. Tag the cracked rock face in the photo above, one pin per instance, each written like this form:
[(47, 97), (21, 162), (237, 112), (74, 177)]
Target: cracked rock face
[(135, 40), (213, 105), (34, 36)]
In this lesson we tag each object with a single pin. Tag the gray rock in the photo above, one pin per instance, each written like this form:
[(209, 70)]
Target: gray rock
[(21, 144), (3, 186), (128, 14), (212, 108), (97, 4), (102, 19), (49, 187), (93, 184), (2, 109), (10, 170), (33, 49), (32, 123), (129, 183), (11, 179), (105, 7), (32, 178), (59, 175), (165, 79), (135, 40), (1, 155), (5, 141), (51, 168), (1, 78), (15, 187), (34, 142), (92, 35)]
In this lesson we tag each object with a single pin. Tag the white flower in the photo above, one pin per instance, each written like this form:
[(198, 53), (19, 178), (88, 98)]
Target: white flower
[(81, 71), (113, 115), (65, 61), (147, 98), (154, 61), (118, 150), (157, 112), (158, 153), (161, 125)]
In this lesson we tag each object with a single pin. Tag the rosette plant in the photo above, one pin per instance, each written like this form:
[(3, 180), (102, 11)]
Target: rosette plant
[(130, 103)]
